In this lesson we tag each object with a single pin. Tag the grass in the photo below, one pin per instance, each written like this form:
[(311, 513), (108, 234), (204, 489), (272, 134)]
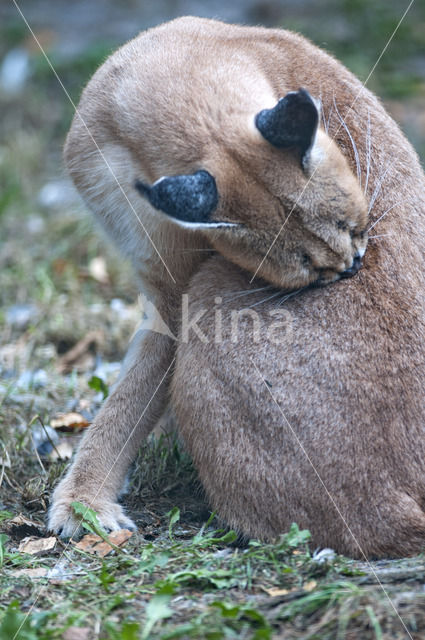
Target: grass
[(180, 575), (179, 578), (358, 33), (191, 584), (209, 589)]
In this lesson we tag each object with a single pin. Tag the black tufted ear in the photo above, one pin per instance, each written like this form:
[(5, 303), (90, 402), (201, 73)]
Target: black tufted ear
[(189, 199), (292, 122)]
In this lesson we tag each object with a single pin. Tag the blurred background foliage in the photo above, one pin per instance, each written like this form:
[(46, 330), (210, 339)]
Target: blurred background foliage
[(48, 247)]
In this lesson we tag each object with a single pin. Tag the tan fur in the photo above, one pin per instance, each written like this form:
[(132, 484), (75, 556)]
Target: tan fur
[(183, 97)]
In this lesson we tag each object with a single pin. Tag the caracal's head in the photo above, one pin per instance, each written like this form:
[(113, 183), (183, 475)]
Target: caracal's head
[(282, 202)]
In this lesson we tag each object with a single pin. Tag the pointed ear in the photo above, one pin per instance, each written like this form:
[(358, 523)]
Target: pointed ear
[(292, 122), (188, 199)]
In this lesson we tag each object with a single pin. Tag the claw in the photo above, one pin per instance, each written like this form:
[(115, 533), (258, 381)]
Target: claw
[(63, 522)]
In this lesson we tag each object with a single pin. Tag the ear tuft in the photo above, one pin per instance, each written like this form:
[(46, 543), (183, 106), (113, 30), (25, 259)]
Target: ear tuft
[(189, 198), (292, 122)]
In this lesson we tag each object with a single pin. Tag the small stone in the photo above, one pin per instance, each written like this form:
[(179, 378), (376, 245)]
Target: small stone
[(62, 451), (24, 380), (39, 379), (32, 380), (21, 315), (117, 305), (323, 556), (35, 224), (55, 194), (40, 435), (98, 270), (107, 370), (14, 71)]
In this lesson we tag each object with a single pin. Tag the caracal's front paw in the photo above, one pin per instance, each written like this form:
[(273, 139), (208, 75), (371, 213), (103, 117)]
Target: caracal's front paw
[(63, 521)]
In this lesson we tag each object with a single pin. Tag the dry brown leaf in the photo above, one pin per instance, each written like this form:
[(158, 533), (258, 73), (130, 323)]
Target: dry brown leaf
[(121, 536), (20, 521), (38, 572), (92, 543), (21, 527), (59, 266), (69, 421), (276, 592), (309, 586), (98, 270), (77, 633), (88, 542), (37, 546), (62, 451)]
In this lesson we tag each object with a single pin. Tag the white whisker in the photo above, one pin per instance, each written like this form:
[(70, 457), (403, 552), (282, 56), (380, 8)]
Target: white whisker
[(329, 115), (322, 114), (274, 295), (246, 292), (174, 251), (290, 295), (195, 251), (379, 185), (368, 151), (382, 235), (353, 144), (383, 215)]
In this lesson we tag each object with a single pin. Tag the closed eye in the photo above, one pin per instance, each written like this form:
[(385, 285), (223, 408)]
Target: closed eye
[(357, 234)]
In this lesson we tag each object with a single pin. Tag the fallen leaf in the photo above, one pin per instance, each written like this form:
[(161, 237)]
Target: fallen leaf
[(77, 633), (276, 592), (309, 586), (37, 546), (5, 462), (69, 421), (21, 527), (92, 543), (59, 266), (98, 270), (38, 572), (62, 451), (20, 520)]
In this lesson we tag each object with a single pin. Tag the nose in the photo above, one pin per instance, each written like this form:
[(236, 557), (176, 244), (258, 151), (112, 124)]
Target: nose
[(357, 263)]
